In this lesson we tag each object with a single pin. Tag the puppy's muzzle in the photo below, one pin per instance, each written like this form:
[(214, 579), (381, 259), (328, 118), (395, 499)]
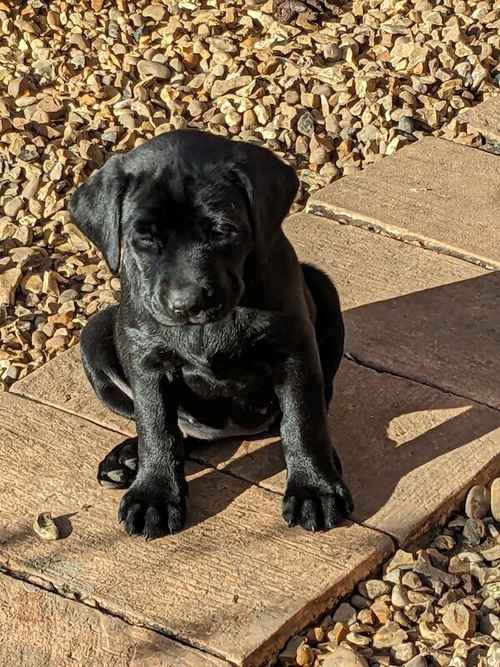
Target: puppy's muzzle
[(191, 302)]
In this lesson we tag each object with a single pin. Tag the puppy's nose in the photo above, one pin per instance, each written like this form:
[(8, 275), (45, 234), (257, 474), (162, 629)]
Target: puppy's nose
[(188, 301)]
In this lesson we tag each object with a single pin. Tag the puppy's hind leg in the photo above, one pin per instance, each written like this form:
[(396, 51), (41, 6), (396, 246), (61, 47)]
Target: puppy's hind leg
[(329, 325), (104, 372), (102, 366)]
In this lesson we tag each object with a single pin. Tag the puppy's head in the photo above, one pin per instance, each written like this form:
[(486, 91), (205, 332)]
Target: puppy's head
[(180, 217)]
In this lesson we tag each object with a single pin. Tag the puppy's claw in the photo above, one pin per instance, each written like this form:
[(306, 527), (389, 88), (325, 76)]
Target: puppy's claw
[(116, 475)]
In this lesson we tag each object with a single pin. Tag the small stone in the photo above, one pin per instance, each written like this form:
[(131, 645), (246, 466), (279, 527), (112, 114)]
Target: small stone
[(155, 12), (458, 620), (9, 280), (147, 68), (411, 580), (493, 655), (389, 635), (403, 652), (304, 655), (225, 86), (399, 597), (38, 339), (249, 119), (495, 499), (359, 602), (401, 560), (477, 504), (13, 206), (417, 661), (358, 639), (373, 588), (45, 527), (33, 282), (338, 633), (344, 613), (56, 343), (491, 554), (382, 611), (305, 124), (344, 657), (289, 653), (474, 531), (434, 573)]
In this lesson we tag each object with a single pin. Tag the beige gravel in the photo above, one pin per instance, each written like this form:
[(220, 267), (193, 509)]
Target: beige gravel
[(437, 606)]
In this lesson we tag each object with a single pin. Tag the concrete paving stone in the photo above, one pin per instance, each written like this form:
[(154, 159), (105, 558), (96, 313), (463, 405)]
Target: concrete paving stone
[(235, 583), (68, 634), (435, 193), (485, 118), (408, 310)]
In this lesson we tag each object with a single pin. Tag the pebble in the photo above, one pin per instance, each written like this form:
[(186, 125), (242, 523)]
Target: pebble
[(343, 657), (417, 661), (373, 588), (495, 499), (156, 12), (45, 527), (474, 531), (477, 504), (304, 655), (459, 620), (147, 68), (399, 597), (345, 613), (390, 634)]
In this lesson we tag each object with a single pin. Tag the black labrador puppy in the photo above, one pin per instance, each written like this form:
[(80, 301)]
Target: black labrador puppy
[(220, 331)]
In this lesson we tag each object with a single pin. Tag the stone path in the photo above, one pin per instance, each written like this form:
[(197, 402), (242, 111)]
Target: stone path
[(416, 421)]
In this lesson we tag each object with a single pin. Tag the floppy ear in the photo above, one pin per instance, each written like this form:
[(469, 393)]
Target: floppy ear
[(96, 208), (270, 186)]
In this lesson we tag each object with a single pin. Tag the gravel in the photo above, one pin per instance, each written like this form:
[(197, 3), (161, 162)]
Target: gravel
[(438, 606), (329, 93)]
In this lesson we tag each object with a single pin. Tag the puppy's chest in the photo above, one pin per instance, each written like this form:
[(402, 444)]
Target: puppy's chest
[(225, 358)]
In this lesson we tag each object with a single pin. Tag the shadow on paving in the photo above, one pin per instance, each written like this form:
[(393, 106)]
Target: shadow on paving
[(384, 427)]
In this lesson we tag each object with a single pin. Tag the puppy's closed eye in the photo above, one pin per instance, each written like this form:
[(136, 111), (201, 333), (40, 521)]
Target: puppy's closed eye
[(145, 237), (225, 230)]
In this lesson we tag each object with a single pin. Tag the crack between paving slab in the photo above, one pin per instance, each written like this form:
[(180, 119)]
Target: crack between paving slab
[(398, 234), (380, 368), (74, 596)]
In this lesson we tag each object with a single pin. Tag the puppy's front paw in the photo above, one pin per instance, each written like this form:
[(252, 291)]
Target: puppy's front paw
[(316, 506), (152, 508)]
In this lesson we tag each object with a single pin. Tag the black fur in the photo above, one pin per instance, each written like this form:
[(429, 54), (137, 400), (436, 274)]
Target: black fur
[(220, 331)]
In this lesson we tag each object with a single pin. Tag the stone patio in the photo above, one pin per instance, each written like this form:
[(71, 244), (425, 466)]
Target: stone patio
[(412, 244)]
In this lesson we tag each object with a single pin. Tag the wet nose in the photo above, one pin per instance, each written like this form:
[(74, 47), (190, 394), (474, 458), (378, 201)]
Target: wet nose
[(188, 301)]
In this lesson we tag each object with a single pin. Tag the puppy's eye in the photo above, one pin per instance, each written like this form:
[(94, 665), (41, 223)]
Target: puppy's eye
[(145, 240), (225, 230)]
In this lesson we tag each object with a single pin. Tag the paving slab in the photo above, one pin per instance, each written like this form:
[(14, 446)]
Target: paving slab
[(435, 193), (484, 117), (68, 633), (236, 583), (409, 451), (408, 310)]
